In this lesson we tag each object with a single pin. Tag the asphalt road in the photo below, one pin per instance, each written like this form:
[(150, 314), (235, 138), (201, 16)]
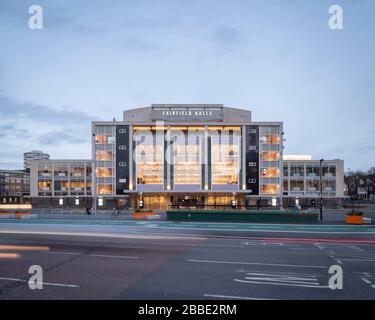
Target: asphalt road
[(90, 261)]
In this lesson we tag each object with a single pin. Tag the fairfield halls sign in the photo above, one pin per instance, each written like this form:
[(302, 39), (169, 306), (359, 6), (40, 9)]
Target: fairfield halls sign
[(187, 112)]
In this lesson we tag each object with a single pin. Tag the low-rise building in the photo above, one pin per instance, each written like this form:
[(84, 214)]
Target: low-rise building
[(361, 187), (14, 186), (173, 155), (61, 183), (304, 179), (33, 155)]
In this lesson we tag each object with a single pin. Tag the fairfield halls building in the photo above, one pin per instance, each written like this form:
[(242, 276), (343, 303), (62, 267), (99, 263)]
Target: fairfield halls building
[(172, 155)]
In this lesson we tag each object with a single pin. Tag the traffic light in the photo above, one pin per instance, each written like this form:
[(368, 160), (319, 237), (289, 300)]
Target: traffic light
[(313, 202)]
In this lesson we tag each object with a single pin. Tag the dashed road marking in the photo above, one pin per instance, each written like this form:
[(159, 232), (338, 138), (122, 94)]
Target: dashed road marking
[(256, 263), (44, 283)]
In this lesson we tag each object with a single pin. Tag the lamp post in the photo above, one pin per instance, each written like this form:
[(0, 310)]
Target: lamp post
[(321, 190)]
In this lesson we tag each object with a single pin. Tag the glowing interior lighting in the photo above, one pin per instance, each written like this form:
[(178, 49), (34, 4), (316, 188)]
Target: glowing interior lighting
[(24, 248), (9, 255)]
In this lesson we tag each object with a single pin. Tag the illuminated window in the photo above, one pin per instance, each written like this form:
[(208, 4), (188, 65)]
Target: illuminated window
[(104, 188), (77, 185), (104, 172), (270, 189), (270, 156), (104, 155), (44, 185), (149, 156), (225, 154), (270, 139), (100, 202), (186, 156), (270, 172)]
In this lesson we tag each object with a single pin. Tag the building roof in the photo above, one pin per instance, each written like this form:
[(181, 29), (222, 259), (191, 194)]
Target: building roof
[(13, 171), (187, 113)]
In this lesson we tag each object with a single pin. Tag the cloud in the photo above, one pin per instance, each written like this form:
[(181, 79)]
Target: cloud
[(25, 126), (140, 45), (227, 38), (58, 137), (16, 110), (7, 129)]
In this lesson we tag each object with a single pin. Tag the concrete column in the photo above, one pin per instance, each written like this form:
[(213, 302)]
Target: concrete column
[(130, 160)]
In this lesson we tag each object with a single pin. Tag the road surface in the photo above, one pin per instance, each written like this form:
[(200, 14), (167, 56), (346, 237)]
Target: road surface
[(163, 260)]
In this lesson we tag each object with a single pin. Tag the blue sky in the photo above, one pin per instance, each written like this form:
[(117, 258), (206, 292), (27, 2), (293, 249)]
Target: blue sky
[(277, 58)]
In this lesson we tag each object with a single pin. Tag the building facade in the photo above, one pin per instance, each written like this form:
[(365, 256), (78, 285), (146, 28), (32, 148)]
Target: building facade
[(302, 180), (14, 186), (33, 155), (170, 155), (361, 187), (173, 155), (61, 183)]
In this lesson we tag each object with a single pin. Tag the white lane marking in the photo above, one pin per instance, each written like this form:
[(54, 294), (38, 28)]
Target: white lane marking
[(354, 255), (304, 249), (355, 248), (366, 280), (44, 283), (283, 284), (266, 280), (196, 245), (109, 256), (280, 277), (365, 260), (64, 252), (314, 275), (221, 296), (272, 244), (255, 263)]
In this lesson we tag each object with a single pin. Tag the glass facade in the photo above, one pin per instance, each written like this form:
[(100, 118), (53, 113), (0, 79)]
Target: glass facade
[(203, 155), (270, 148), (64, 178), (180, 158), (187, 156), (303, 179), (225, 156), (149, 157), (104, 160)]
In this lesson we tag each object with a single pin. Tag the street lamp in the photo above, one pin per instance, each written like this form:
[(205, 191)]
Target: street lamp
[(321, 190)]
